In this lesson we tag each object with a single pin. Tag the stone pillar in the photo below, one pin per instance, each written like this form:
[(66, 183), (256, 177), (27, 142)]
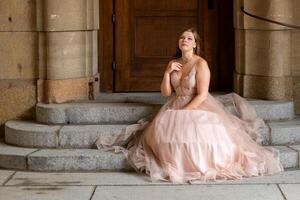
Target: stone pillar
[(68, 41), (295, 38), (48, 52), (18, 59), (263, 50)]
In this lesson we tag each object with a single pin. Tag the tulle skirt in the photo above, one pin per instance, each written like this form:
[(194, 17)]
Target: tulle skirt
[(211, 142)]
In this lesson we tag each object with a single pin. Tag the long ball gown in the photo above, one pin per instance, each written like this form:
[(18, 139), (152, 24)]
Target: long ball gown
[(206, 143)]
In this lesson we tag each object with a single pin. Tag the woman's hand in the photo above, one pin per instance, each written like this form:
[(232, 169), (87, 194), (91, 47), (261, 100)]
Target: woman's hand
[(166, 88), (173, 66)]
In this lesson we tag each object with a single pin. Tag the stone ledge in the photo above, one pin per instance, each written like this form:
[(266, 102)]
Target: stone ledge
[(92, 113), (14, 157), (87, 159), (285, 132), (77, 160), (274, 110), (61, 160), (33, 135), (126, 113), (297, 149), (288, 156)]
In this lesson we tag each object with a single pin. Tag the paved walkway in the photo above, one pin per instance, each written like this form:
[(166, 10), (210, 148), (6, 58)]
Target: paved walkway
[(131, 186)]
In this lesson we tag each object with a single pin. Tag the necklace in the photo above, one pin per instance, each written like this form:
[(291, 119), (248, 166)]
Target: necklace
[(186, 60)]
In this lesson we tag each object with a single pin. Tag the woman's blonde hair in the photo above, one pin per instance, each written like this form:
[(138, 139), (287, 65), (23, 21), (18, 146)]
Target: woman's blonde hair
[(197, 40)]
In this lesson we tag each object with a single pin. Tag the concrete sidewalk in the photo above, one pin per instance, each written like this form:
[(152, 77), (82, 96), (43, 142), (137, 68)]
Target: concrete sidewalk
[(132, 186)]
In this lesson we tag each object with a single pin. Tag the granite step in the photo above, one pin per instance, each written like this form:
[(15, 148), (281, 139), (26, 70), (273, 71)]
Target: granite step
[(133, 97), (126, 113), (35, 135), (285, 108), (91, 159), (31, 159), (285, 132), (93, 113), (273, 110)]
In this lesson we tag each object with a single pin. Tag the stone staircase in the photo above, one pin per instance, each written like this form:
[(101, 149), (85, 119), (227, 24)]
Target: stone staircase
[(62, 137)]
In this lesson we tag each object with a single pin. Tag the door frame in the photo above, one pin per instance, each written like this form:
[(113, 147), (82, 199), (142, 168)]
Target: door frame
[(107, 47)]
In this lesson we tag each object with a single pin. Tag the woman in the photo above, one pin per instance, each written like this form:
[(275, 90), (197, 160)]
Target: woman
[(193, 137)]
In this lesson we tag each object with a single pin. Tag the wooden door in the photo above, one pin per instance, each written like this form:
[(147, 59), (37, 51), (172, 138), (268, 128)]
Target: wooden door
[(144, 38)]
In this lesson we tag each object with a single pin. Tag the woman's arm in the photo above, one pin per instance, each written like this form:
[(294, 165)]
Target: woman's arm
[(202, 79), (165, 87)]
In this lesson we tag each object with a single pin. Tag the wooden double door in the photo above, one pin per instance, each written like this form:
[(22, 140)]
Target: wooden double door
[(137, 38)]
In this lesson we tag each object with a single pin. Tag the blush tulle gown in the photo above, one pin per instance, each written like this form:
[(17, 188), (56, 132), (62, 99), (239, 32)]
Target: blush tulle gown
[(207, 143)]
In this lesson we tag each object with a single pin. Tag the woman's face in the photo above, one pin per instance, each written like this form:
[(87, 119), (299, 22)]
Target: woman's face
[(186, 41)]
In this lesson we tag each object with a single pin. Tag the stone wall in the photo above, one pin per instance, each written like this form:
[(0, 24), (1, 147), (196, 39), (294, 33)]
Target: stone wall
[(263, 49), (295, 44), (18, 59), (266, 53), (48, 53)]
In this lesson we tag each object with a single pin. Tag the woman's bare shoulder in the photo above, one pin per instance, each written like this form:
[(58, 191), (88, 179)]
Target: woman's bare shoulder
[(173, 60), (170, 62), (201, 64)]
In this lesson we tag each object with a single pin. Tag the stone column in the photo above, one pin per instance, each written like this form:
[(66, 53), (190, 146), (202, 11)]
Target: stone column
[(52, 42), (295, 41), (18, 59), (68, 68), (263, 50)]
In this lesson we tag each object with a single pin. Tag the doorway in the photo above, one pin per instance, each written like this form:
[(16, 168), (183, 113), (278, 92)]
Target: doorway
[(137, 38)]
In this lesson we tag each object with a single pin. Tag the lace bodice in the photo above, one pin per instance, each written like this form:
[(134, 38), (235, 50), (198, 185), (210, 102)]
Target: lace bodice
[(185, 86)]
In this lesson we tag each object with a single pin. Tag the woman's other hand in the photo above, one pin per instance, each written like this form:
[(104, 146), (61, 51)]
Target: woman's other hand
[(173, 66)]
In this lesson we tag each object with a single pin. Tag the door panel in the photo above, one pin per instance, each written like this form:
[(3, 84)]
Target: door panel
[(146, 39), (166, 5), (162, 41)]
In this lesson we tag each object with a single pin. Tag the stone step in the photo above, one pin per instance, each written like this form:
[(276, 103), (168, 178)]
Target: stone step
[(61, 159), (281, 110), (273, 110), (91, 159), (285, 132), (34, 135), (126, 113), (133, 97), (93, 113)]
